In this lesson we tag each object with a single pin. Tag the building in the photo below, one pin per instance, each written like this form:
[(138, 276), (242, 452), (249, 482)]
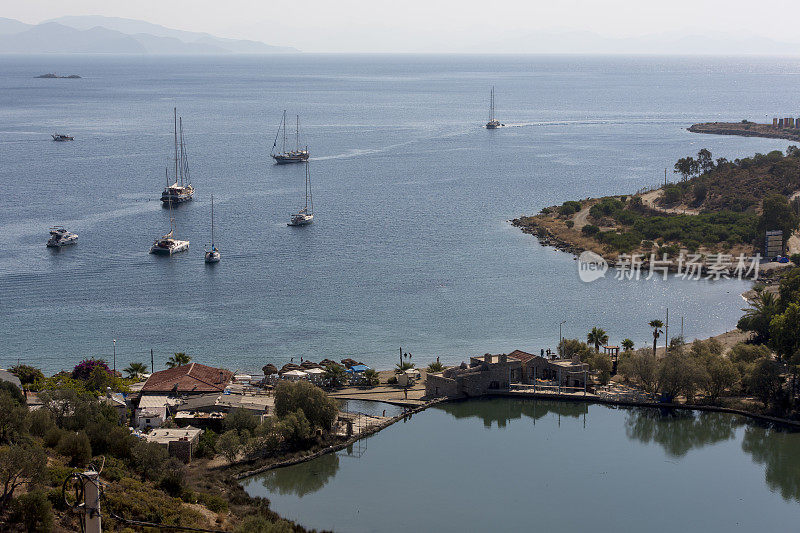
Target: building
[(180, 443), (152, 411), (484, 374), (190, 379), (489, 373)]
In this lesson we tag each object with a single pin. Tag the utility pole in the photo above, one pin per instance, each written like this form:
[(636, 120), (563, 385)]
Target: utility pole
[(665, 177), (681, 327), (559, 333), (666, 335), (115, 355), (152, 362)]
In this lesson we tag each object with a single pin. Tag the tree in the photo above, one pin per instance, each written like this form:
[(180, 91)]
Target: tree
[(241, 421), (758, 316), (435, 366), (784, 331), (705, 161), (178, 359), (722, 375), (13, 418), (148, 459), (641, 366), (765, 381), (319, 409), (20, 464), (136, 370), (28, 375), (627, 345), (372, 377), (84, 369), (34, 511), (602, 364), (229, 444), (569, 348), (686, 167), (295, 428), (335, 375), (656, 325), (777, 214), (680, 374), (597, 337)]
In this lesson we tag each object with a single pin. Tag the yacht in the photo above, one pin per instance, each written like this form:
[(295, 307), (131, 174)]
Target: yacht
[(213, 255), (61, 138), (298, 155), (305, 216), (493, 123), (61, 237), (168, 244), (181, 189)]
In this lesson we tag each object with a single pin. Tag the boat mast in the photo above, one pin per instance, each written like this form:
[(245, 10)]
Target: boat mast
[(297, 136), (283, 149), (212, 222), (491, 106), (180, 125), (175, 125), (308, 191)]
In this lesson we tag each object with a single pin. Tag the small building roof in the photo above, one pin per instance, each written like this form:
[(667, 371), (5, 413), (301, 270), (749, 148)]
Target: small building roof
[(188, 379), (167, 435), (522, 356), (5, 375)]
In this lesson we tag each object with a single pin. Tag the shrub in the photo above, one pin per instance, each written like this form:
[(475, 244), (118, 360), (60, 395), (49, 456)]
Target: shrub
[(172, 482), (295, 428), (75, 446), (392, 380), (148, 458), (589, 229), (570, 223), (436, 366), (34, 511), (241, 421), (27, 374), (568, 208), (229, 444), (84, 369), (260, 524), (206, 446), (213, 502)]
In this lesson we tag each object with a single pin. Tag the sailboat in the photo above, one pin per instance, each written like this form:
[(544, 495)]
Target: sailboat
[(177, 192), (213, 255), (168, 244), (493, 123), (305, 216), (298, 155)]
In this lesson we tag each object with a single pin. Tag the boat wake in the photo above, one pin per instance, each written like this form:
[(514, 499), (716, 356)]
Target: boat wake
[(356, 152)]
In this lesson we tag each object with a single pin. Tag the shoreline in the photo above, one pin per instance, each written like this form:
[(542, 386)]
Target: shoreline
[(746, 129)]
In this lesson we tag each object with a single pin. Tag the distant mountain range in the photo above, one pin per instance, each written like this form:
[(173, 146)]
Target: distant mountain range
[(109, 35)]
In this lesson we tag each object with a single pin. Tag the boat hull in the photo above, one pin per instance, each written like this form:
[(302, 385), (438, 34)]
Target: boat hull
[(213, 257), (492, 125), (180, 246), (176, 199), (284, 159), (301, 220), (63, 242)]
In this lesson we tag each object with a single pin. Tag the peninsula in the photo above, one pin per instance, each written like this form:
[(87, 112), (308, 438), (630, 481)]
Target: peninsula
[(779, 129), (718, 206)]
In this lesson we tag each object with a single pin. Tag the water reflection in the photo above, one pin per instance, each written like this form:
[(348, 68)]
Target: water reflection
[(779, 452), (679, 431), (304, 478), (501, 411)]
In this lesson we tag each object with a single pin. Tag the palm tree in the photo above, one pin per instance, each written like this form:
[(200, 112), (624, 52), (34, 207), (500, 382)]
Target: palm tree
[(136, 370), (656, 325), (372, 377), (627, 345), (758, 316), (335, 375), (597, 337), (178, 359)]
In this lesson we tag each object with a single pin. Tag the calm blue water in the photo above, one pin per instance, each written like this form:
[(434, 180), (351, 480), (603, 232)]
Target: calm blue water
[(519, 465), (411, 246)]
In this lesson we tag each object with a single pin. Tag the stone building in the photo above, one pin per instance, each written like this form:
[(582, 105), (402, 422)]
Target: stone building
[(484, 374), (180, 443)]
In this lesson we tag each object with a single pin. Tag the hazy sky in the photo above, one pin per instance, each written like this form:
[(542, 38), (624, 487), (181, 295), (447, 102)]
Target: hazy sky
[(432, 25)]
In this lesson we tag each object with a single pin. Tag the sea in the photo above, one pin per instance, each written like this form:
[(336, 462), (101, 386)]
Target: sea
[(411, 249)]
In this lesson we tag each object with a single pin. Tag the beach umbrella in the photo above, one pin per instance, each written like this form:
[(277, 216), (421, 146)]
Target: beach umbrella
[(269, 369)]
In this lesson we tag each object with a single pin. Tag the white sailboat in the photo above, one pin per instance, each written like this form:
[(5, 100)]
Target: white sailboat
[(305, 216), (213, 255), (493, 123), (298, 155), (168, 244), (178, 192)]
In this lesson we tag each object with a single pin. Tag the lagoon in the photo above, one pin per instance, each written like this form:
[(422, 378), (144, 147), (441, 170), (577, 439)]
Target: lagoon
[(508, 464)]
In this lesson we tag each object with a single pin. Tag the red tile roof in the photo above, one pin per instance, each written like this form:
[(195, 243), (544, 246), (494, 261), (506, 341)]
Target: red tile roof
[(524, 357), (191, 378)]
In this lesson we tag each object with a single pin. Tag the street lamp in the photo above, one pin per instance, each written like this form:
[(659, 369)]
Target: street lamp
[(559, 332), (115, 355)]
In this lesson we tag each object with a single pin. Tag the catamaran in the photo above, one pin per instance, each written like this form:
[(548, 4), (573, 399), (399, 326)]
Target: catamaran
[(61, 237), (168, 244), (493, 123), (305, 216), (213, 255), (298, 155), (177, 192)]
